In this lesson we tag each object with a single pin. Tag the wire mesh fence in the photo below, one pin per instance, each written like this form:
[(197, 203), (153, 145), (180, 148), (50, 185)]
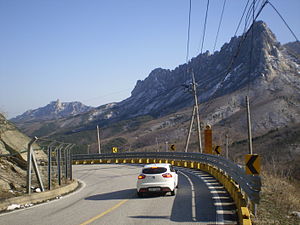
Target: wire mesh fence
[(44, 165)]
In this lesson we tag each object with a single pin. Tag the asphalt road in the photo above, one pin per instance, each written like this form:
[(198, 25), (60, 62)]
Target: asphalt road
[(108, 196)]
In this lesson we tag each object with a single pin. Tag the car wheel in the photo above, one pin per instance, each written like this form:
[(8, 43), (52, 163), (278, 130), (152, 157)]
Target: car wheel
[(140, 195), (173, 192)]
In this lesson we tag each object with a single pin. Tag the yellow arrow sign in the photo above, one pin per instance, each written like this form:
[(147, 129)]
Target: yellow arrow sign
[(173, 147), (252, 164), (114, 149), (217, 150)]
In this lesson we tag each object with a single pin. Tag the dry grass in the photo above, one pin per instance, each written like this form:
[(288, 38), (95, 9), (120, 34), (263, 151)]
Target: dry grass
[(279, 198)]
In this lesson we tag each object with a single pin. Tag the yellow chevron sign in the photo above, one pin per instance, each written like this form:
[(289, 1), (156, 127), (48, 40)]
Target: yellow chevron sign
[(173, 147), (217, 150), (252, 164), (114, 149)]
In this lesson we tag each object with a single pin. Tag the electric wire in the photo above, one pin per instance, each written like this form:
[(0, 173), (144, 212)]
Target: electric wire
[(244, 36), (251, 48), (188, 33), (221, 18), (283, 20), (204, 27), (241, 19), (251, 11), (230, 66)]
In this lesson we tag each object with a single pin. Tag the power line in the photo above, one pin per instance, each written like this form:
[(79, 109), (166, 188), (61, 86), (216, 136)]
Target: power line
[(195, 108), (246, 6), (243, 39), (188, 36), (229, 68), (107, 95), (252, 10), (283, 20), (204, 27), (221, 18), (251, 48)]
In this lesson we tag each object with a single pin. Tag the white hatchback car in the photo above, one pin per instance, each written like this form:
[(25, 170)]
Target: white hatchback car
[(157, 178)]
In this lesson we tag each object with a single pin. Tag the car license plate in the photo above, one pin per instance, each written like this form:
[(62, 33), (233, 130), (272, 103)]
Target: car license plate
[(154, 189)]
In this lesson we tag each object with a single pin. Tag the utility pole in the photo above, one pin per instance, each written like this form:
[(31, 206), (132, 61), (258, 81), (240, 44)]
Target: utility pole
[(98, 136), (227, 144), (190, 131), (88, 149), (195, 113), (157, 149), (249, 126)]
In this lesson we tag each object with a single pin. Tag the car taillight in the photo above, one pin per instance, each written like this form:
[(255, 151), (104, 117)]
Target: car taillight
[(167, 175), (142, 176)]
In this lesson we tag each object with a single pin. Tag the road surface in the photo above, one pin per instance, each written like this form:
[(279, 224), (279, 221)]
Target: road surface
[(108, 196)]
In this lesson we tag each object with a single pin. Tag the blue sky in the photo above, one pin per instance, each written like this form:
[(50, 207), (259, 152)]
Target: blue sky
[(94, 51)]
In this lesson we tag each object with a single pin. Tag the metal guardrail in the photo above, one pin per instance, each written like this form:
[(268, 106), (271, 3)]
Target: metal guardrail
[(251, 185)]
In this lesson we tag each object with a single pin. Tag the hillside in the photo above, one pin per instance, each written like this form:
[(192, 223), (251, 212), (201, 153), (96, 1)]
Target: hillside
[(13, 157)]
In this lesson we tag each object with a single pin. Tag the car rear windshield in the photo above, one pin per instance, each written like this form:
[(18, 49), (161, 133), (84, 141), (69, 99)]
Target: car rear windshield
[(154, 170)]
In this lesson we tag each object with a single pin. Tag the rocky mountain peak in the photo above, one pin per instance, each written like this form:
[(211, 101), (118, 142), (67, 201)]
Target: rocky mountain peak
[(270, 77), (217, 74), (54, 110)]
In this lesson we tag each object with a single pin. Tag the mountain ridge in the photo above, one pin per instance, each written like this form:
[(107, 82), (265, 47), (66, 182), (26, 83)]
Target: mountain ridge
[(271, 80), (53, 110)]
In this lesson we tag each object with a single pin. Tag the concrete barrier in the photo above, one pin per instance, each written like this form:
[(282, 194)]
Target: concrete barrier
[(39, 197)]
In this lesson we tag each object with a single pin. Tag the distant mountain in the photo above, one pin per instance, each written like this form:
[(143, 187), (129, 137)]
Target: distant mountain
[(293, 48), (271, 79), (54, 110)]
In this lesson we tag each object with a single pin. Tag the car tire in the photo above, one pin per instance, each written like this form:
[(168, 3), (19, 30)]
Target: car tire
[(140, 195), (173, 192)]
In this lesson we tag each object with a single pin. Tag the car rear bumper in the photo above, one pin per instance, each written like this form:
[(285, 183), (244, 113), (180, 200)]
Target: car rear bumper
[(155, 187), (154, 190)]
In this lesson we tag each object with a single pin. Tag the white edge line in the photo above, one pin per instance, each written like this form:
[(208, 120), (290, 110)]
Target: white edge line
[(193, 196)]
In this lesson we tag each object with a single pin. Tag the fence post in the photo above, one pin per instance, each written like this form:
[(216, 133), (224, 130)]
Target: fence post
[(70, 158), (66, 159), (29, 164), (58, 165), (37, 173), (50, 164), (70, 162), (49, 167)]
